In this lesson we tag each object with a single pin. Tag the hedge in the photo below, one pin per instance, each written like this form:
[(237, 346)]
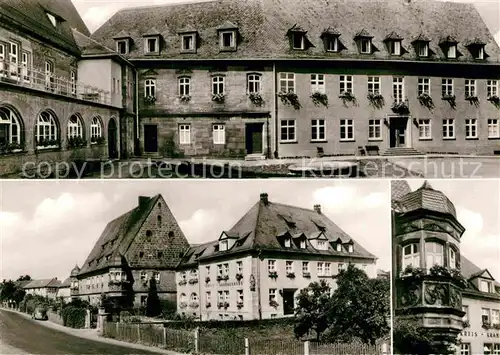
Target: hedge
[(73, 317)]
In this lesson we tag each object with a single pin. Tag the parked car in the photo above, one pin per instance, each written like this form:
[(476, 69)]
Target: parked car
[(40, 314)]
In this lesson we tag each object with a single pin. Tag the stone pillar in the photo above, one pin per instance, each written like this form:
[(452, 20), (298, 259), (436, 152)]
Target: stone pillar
[(101, 320), (87, 319), (264, 138)]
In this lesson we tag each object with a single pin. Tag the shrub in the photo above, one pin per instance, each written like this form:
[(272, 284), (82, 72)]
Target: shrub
[(73, 317)]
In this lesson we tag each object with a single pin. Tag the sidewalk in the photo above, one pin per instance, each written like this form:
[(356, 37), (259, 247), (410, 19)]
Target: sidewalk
[(92, 334)]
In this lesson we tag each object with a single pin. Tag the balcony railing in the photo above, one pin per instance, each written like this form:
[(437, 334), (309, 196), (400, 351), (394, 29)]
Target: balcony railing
[(47, 82)]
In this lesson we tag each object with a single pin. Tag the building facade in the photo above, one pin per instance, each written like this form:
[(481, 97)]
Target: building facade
[(255, 270), (144, 243), (286, 78), (45, 288)]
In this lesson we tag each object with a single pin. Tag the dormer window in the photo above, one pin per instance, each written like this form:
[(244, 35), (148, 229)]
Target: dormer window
[(122, 46), (298, 38), (452, 51), (395, 47), (421, 45), (350, 248), (339, 247), (476, 49), (366, 45), (152, 45), (298, 41), (449, 47), (228, 36), (227, 39), (332, 44), (394, 43), (485, 286), (288, 243), (331, 40), (223, 245), (188, 36), (302, 244), (364, 42)]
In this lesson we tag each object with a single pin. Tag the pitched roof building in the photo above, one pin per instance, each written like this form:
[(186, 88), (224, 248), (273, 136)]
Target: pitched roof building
[(43, 287), (255, 268)]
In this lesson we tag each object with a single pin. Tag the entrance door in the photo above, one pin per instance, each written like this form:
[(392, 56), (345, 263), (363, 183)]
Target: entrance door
[(150, 138), (112, 139), (288, 301), (254, 138), (398, 131)]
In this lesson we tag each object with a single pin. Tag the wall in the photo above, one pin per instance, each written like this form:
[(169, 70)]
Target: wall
[(55, 318)]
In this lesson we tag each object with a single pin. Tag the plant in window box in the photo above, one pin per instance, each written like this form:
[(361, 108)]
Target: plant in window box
[(208, 305), (226, 305), (273, 304), (347, 97), (182, 282), (306, 274), (193, 281), (290, 275), (239, 277), (219, 98), (185, 98), (194, 305), (451, 100), (426, 101), (183, 305), (239, 305), (97, 140), (401, 108), (486, 325), (410, 271), (76, 142), (225, 277), (319, 99), (273, 274), (207, 279), (256, 99), (496, 326), (473, 100), (376, 100), (495, 100), (290, 99), (150, 99), (11, 148), (456, 274), (220, 278), (47, 143)]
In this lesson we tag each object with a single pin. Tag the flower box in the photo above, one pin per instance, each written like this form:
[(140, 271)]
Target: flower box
[(194, 305), (290, 275), (306, 274), (400, 108), (47, 144), (150, 100), (239, 277), (273, 304), (182, 282), (451, 100), (239, 305), (486, 325), (218, 98), (76, 142), (273, 274), (11, 148), (473, 100), (97, 140), (319, 99), (376, 100), (183, 305), (256, 99), (495, 100), (185, 98), (290, 99), (207, 279), (426, 101), (347, 96), (193, 281)]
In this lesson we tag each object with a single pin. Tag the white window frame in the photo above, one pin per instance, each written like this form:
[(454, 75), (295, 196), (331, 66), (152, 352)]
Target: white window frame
[(95, 128), (144, 276), (156, 276), (75, 127), (374, 85), (318, 130), (288, 131), (483, 283), (287, 82), (495, 316), (347, 130), (447, 87), (332, 44), (49, 74), (155, 41), (288, 243), (451, 52), (192, 42), (8, 117), (219, 134), (14, 58), (328, 269), (150, 87), (448, 128), (232, 34), (73, 82), (471, 128), (193, 297), (46, 127), (424, 129), (3, 49), (305, 267), (423, 49), (491, 88), (225, 269), (254, 83), (398, 89), (318, 83), (434, 254), (26, 66), (480, 53), (320, 268), (424, 86), (271, 265), (395, 47), (289, 266), (218, 85), (374, 129), (302, 38), (367, 43), (465, 309), (412, 257), (470, 87), (272, 294), (239, 267), (208, 296), (486, 312), (452, 260), (493, 128), (240, 296), (302, 244), (465, 349), (346, 84), (184, 86), (184, 134)]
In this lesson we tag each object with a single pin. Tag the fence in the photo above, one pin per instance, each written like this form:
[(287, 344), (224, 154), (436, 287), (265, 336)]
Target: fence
[(192, 341)]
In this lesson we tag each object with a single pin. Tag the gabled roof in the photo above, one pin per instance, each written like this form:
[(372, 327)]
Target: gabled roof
[(263, 25), (117, 237), (65, 284), (448, 39), (421, 38), (471, 271), (187, 29), (122, 35), (399, 188), (227, 25), (393, 36), (363, 34), (152, 32), (330, 31), (42, 283)]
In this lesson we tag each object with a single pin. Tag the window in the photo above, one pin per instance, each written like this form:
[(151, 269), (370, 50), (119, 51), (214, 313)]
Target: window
[(398, 89), (299, 41), (46, 129), (10, 127), (75, 127), (493, 128), (366, 45), (184, 86), (226, 296), (447, 87), (374, 130), (448, 128), (239, 267), (288, 243), (208, 297), (496, 349), (240, 296), (318, 130), (227, 39), (158, 221), (152, 45), (223, 245), (156, 276), (318, 83), (424, 129), (320, 269), (2, 59), (144, 275), (219, 269), (95, 128), (150, 88), (374, 85), (395, 47), (485, 315), (328, 269), (452, 51), (491, 88), (287, 82), (49, 74), (424, 86), (495, 316), (207, 270), (14, 58), (332, 44), (339, 247), (470, 128), (346, 130), (340, 267), (271, 265), (73, 82), (184, 134), (52, 19), (219, 134), (218, 85), (188, 43), (422, 49), (305, 266), (433, 254), (287, 130), (465, 349), (289, 266), (302, 244), (485, 286), (453, 259), (411, 256), (345, 84), (122, 46), (350, 248), (225, 269), (254, 83), (470, 87), (26, 65), (272, 295)]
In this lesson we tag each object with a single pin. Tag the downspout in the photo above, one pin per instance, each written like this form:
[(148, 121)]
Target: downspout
[(137, 135), (258, 284), (275, 104)]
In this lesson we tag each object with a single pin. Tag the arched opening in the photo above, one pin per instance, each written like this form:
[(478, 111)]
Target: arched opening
[(96, 130), (47, 131), (112, 139), (11, 130), (75, 127)]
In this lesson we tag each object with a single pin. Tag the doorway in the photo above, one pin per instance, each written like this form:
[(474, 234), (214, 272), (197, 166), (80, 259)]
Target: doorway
[(398, 128), (253, 138), (288, 301), (112, 139), (150, 138)]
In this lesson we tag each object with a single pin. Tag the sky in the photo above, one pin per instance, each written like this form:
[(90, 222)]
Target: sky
[(477, 203), (96, 12), (46, 227)]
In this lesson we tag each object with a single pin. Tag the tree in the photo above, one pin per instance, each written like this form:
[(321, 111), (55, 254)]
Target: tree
[(312, 309), (8, 290), (24, 278), (153, 306)]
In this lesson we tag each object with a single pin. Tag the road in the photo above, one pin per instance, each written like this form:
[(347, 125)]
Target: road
[(19, 335)]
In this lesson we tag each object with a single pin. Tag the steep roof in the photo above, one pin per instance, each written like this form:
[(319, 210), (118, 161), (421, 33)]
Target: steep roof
[(42, 283), (89, 46), (265, 222), (470, 271), (117, 236), (30, 16), (65, 284), (263, 25)]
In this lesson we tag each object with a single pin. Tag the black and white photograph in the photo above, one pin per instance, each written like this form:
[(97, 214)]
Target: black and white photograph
[(203, 267), (264, 88), (446, 269)]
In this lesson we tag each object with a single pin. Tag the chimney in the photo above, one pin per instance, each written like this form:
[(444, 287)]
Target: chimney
[(264, 198), (143, 200), (317, 208)]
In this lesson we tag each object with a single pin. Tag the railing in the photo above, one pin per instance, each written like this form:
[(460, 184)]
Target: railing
[(37, 79)]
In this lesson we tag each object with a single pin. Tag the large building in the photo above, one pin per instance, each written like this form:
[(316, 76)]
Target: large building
[(292, 77), (255, 269), (48, 288), (141, 244), (63, 96), (433, 282)]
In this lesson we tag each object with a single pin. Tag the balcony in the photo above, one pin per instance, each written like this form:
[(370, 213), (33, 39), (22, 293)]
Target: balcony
[(39, 80)]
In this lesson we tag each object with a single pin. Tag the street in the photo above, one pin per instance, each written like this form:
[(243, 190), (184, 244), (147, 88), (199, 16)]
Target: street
[(19, 335)]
